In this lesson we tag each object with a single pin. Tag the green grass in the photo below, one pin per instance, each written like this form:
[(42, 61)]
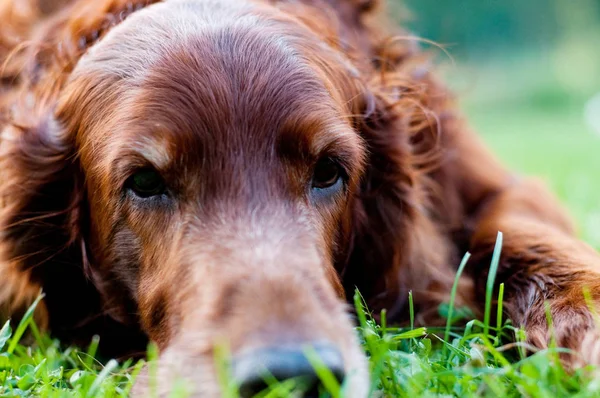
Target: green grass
[(533, 119), (45, 369), (484, 358), (541, 132), (555, 145), (473, 361)]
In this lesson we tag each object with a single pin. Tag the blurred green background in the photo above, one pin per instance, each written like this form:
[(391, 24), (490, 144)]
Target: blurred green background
[(528, 75)]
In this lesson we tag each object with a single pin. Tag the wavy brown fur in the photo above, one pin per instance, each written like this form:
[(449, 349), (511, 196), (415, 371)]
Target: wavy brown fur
[(429, 190)]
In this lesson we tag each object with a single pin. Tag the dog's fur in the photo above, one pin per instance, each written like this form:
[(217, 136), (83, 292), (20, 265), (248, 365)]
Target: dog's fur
[(234, 102)]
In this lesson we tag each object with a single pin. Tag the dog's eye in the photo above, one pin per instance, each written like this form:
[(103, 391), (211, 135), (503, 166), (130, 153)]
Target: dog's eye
[(146, 183), (327, 173)]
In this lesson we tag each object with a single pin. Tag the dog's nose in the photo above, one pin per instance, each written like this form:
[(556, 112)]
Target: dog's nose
[(254, 370)]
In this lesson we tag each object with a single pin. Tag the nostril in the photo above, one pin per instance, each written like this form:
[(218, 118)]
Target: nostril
[(255, 369)]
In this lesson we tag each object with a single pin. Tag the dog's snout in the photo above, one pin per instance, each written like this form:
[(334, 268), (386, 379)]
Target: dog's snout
[(256, 369)]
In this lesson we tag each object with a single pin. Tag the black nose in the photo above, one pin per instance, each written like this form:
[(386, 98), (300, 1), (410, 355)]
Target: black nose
[(253, 370)]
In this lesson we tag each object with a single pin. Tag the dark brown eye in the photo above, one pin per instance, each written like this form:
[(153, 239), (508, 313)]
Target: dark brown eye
[(327, 174), (146, 183)]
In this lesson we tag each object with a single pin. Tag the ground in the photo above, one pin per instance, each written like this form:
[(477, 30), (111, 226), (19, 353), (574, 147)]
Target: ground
[(536, 126)]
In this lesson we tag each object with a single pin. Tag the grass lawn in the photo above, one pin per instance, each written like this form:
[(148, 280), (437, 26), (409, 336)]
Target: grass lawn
[(554, 144), (550, 141)]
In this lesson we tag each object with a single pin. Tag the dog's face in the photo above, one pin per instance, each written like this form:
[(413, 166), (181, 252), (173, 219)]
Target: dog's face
[(220, 166)]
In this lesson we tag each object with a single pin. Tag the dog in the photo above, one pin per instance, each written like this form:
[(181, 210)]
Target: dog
[(204, 172)]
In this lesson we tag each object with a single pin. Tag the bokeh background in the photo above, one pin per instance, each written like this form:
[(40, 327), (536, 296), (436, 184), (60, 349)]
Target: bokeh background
[(528, 75)]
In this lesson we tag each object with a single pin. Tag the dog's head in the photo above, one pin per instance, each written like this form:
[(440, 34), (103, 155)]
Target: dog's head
[(224, 172)]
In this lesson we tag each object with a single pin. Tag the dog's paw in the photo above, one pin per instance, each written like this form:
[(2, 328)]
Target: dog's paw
[(589, 350), (575, 333)]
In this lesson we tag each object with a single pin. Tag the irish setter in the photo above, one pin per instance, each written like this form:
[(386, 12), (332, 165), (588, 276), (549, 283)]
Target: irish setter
[(197, 172)]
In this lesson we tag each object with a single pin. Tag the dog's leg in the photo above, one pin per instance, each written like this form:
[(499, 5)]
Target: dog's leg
[(543, 265), (545, 269)]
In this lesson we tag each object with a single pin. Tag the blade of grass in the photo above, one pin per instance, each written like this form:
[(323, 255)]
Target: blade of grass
[(372, 342), (92, 350), (411, 334), (325, 375), (102, 376), (589, 302), (222, 361), (362, 320), (461, 268), (499, 308), (489, 289), (5, 333), (153, 369), (37, 335), (133, 376), (411, 309), (450, 346), (23, 325)]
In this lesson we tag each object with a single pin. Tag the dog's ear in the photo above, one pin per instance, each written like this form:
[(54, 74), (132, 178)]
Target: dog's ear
[(43, 226), (397, 246), (40, 215), (42, 193)]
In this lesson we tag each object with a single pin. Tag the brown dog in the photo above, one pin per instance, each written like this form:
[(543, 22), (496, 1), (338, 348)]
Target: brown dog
[(205, 171)]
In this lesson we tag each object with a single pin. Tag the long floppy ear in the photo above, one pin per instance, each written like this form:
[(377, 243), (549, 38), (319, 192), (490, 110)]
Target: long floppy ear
[(40, 190), (42, 227)]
